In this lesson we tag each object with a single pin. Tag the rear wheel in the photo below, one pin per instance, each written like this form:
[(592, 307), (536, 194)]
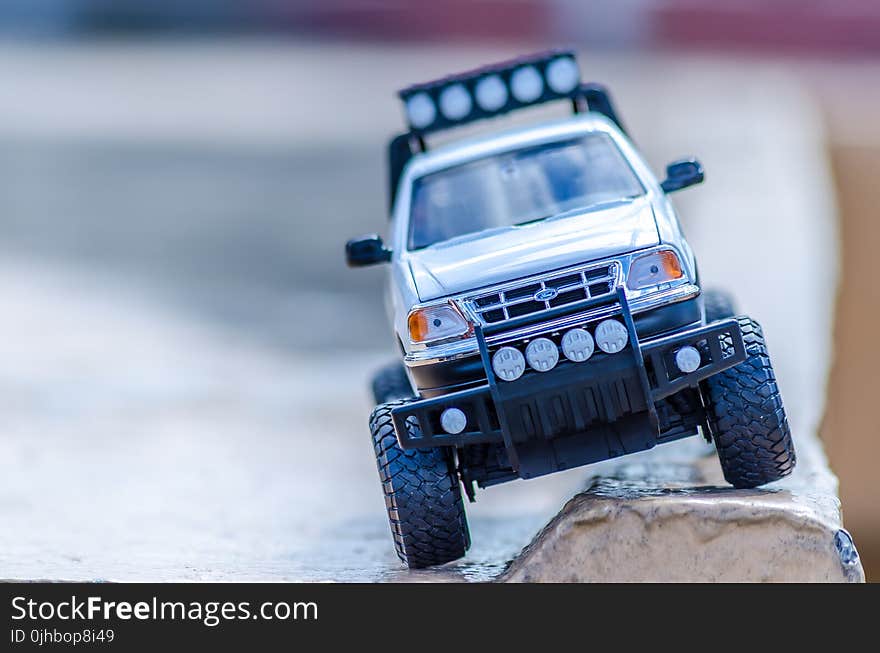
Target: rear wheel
[(747, 418), (422, 495), (719, 304), (391, 382)]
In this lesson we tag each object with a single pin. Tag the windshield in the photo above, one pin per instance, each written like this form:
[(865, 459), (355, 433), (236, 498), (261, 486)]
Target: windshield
[(519, 187)]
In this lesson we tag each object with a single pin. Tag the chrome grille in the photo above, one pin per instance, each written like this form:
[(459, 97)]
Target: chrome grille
[(562, 288)]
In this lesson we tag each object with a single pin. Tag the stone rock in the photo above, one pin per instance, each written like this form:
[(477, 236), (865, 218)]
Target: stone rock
[(673, 519)]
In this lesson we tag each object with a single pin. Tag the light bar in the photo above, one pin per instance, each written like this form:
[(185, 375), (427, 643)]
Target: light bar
[(491, 91)]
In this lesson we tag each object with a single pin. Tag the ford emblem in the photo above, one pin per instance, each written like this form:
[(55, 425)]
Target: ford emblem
[(545, 294)]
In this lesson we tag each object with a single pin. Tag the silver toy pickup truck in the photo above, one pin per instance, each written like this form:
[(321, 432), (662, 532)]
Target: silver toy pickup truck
[(547, 308)]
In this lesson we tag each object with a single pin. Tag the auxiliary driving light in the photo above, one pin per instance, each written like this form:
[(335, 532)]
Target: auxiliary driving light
[(542, 354), (453, 420), (611, 336), (420, 110), (455, 102), (563, 75), (687, 359), (577, 345), (526, 84), (508, 363), (491, 93)]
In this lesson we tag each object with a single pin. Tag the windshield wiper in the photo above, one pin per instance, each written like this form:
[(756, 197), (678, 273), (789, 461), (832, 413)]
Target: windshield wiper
[(525, 222), (471, 235), (581, 209)]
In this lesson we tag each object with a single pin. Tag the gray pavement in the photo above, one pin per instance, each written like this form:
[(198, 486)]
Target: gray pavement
[(185, 355)]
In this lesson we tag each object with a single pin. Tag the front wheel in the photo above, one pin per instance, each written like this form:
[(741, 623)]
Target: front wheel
[(747, 418), (422, 495)]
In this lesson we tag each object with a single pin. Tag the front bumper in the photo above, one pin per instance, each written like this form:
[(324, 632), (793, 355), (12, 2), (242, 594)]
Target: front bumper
[(573, 398)]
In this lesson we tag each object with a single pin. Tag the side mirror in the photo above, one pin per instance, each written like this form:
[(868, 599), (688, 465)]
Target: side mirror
[(366, 250), (681, 174)]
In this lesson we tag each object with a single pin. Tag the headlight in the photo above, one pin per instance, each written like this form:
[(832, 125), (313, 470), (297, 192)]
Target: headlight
[(440, 322), (653, 269)]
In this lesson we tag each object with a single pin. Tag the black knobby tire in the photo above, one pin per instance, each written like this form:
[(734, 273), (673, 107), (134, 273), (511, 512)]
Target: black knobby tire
[(422, 495), (747, 418), (719, 304), (390, 383)]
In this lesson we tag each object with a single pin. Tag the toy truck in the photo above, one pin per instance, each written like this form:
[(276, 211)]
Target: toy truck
[(547, 308)]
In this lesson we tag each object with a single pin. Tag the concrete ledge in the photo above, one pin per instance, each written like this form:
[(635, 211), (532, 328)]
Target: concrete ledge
[(673, 519)]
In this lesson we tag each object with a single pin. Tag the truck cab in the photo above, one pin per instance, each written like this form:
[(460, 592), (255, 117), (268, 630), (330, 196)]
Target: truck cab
[(536, 210)]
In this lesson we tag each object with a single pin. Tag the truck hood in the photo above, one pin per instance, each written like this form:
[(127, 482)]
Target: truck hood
[(460, 265)]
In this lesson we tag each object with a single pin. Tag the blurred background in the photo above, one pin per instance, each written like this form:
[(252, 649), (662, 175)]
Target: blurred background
[(177, 180)]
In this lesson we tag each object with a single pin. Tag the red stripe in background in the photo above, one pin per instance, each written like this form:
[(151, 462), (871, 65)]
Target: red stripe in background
[(447, 20), (845, 26)]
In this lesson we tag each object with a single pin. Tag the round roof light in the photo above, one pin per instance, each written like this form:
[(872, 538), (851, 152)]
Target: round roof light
[(563, 75), (455, 102), (420, 110), (526, 84), (542, 354), (611, 336), (508, 363), (491, 93), (577, 345)]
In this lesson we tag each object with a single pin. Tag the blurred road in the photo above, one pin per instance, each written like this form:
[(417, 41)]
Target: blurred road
[(185, 354)]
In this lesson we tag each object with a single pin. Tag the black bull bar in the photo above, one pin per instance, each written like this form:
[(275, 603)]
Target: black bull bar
[(575, 413)]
